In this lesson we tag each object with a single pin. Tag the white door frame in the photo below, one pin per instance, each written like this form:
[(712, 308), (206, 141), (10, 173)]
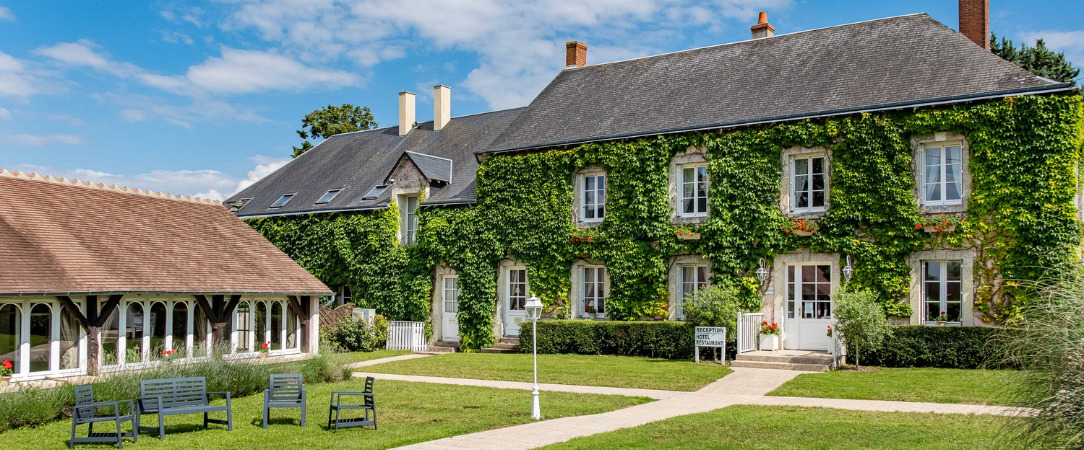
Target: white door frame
[(511, 327), (795, 327), (449, 325)]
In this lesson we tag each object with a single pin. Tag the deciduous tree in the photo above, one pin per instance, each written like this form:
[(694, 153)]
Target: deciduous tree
[(331, 120)]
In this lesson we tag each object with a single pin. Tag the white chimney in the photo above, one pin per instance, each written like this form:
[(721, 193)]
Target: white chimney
[(442, 106), (406, 112)]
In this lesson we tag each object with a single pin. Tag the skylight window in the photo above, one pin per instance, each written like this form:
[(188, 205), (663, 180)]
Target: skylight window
[(375, 192), (328, 196), (282, 200)]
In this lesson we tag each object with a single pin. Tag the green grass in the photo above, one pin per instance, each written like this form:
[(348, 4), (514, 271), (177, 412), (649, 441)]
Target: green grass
[(613, 371), (353, 357), (995, 387), (407, 413), (773, 427)]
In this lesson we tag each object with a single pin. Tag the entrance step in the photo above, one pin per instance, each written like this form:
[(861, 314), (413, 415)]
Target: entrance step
[(505, 345), (443, 347), (810, 361)]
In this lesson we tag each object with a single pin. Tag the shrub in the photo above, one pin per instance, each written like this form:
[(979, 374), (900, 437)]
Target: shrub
[(352, 334), (861, 322), (672, 340), (946, 347), (715, 306), (380, 332)]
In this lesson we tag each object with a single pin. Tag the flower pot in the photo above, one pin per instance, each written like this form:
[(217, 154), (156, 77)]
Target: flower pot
[(264, 354), (933, 229), (941, 323), (4, 382), (803, 232), (769, 342), (688, 236)]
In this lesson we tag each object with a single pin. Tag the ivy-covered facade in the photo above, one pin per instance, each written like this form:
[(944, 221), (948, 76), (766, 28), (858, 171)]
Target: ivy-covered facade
[(945, 209)]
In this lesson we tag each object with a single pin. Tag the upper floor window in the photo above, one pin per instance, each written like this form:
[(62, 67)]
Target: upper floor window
[(408, 214), (693, 278), (593, 197), (694, 191), (942, 284), (594, 289), (942, 174), (807, 183)]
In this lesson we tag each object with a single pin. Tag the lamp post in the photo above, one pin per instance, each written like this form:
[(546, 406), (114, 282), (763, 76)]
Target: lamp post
[(534, 312)]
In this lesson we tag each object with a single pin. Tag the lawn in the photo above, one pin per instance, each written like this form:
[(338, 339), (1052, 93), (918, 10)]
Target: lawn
[(995, 387), (613, 371), (408, 413), (773, 427)]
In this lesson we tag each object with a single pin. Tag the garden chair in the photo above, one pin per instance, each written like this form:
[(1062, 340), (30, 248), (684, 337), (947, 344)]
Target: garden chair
[(367, 406), (85, 412), (286, 391)]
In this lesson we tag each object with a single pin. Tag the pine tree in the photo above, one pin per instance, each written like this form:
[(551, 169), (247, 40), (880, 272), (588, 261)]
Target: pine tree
[(1039, 59)]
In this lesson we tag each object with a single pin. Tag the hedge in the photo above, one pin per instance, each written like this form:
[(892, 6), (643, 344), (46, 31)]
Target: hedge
[(946, 347), (671, 340)]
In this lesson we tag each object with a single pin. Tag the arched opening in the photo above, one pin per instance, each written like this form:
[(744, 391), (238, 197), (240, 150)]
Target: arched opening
[(179, 329), (276, 326), (291, 329), (244, 327), (41, 333), (134, 323), (261, 325), (158, 328), (200, 346), (110, 339), (69, 340), (10, 334)]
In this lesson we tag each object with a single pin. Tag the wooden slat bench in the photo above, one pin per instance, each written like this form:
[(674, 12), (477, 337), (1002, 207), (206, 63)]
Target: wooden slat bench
[(176, 396)]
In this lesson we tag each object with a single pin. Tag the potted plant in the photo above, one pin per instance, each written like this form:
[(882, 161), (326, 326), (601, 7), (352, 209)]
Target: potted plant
[(940, 223), (942, 319), (769, 336), (6, 370), (802, 227), (264, 349), (589, 311)]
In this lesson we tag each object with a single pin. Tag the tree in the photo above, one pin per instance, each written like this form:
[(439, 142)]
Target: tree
[(713, 306), (861, 322), (1038, 59), (331, 120)]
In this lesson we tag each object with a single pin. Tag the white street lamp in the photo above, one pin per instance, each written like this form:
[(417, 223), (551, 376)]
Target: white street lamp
[(534, 312)]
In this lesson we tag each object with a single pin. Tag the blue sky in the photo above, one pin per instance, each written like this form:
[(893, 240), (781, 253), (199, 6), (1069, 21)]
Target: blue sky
[(204, 97)]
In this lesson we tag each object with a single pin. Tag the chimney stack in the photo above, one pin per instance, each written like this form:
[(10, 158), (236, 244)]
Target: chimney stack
[(442, 106), (406, 112), (975, 21), (575, 54), (762, 29)]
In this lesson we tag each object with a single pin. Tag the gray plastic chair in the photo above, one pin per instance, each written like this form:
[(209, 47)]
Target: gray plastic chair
[(85, 412), (286, 392)]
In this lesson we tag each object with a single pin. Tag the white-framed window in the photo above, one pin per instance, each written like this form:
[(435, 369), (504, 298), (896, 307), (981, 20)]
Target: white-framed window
[(593, 291), (692, 278), (409, 220), (345, 296), (942, 288), (270, 322), (694, 191), (328, 196), (451, 295), (808, 183), (942, 174), (809, 291), (593, 197), (282, 201), (517, 289)]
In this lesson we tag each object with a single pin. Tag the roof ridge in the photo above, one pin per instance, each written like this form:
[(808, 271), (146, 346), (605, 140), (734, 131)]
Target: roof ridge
[(31, 176)]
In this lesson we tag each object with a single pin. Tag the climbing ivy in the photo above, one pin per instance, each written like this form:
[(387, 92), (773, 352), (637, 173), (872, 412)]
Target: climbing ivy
[(1020, 221)]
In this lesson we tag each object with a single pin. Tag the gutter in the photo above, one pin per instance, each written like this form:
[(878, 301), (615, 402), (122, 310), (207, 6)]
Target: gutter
[(314, 211), (450, 203), (1050, 89)]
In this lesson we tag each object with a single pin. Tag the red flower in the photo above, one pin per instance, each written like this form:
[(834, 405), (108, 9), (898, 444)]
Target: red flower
[(918, 225), (8, 365), (266, 344)]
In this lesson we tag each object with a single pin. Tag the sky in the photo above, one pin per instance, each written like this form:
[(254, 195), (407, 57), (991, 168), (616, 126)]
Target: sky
[(205, 97)]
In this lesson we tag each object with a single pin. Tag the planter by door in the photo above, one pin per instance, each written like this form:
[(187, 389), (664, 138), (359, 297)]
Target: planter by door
[(769, 342)]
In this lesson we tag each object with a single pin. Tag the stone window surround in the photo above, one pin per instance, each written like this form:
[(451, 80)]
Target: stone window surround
[(674, 279), (787, 163), (406, 180), (967, 284), (576, 293), (577, 195), (919, 171), (776, 294), (437, 308), (691, 156)]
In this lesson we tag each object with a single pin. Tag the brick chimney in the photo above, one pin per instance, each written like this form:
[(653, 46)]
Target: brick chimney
[(442, 106), (762, 29), (406, 112), (575, 54), (975, 21)]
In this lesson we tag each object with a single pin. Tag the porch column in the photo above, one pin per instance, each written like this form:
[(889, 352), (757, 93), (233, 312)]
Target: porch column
[(302, 307), (218, 311), (92, 322)]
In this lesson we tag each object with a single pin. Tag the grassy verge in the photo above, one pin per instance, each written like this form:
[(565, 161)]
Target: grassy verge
[(614, 371), (772, 427), (996, 387), (407, 413)]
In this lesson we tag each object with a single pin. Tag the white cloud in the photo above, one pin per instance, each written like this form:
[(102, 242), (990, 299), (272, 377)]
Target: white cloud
[(38, 140), (6, 14), (84, 53), (139, 108), (180, 13), (67, 119), (265, 166), (175, 37), (246, 71), (133, 115), (16, 80), (1070, 42), (5, 114)]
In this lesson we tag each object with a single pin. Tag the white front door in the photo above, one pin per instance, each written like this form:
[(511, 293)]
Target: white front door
[(515, 301), (809, 307), (449, 326)]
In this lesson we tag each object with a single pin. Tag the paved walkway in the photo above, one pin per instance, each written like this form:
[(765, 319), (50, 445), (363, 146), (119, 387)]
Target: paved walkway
[(373, 362)]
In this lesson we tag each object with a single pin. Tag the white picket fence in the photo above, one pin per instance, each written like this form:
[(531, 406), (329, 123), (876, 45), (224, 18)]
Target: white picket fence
[(748, 330), (406, 336)]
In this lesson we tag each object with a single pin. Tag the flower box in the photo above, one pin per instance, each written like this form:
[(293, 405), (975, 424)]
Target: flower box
[(937, 229), (803, 232), (688, 236), (769, 342)]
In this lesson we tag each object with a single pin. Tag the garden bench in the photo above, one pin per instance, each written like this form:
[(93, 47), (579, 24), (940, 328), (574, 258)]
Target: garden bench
[(176, 396), (367, 406), (286, 392), (85, 412)]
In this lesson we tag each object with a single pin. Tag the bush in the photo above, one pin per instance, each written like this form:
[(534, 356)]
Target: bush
[(672, 340), (715, 306), (380, 332), (861, 322), (947, 347), (352, 334)]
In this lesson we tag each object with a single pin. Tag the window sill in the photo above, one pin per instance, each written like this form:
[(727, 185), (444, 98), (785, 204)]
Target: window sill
[(938, 208), (946, 324)]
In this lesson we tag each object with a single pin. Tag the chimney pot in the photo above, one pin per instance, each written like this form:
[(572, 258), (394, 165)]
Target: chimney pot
[(762, 29), (442, 106), (575, 54), (975, 21), (406, 112)]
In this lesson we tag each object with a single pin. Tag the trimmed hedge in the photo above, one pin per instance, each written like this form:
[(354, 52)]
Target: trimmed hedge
[(663, 339), (946, 347)]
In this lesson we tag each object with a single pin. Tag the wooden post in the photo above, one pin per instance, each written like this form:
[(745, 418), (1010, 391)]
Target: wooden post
[(92, 322), (301, 308), (219, 312)]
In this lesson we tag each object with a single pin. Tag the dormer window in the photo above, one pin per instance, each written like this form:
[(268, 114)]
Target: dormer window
[(375, 192), (282, 201), (328, 196)]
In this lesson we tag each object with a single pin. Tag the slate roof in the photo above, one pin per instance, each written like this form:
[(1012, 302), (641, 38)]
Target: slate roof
[(879, 64), (356, 162), (61, 236)]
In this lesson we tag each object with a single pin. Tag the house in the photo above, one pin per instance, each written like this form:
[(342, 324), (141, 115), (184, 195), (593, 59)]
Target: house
[(99, 278), (897, 148)]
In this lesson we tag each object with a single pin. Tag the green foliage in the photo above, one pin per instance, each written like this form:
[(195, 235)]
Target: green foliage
[(351, 335), (331, 120), (672, 340), (379, 332), (947, 347), (715, 306), (860, 321), (1038, 59)]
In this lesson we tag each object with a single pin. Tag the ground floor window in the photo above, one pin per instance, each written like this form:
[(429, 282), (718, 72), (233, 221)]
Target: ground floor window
[(10, 335), (809, 289), (265, 322), (594, 289), (451, 295), (517, 290), (145, 331), (40, 337), (942, 285), (691, 279)]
